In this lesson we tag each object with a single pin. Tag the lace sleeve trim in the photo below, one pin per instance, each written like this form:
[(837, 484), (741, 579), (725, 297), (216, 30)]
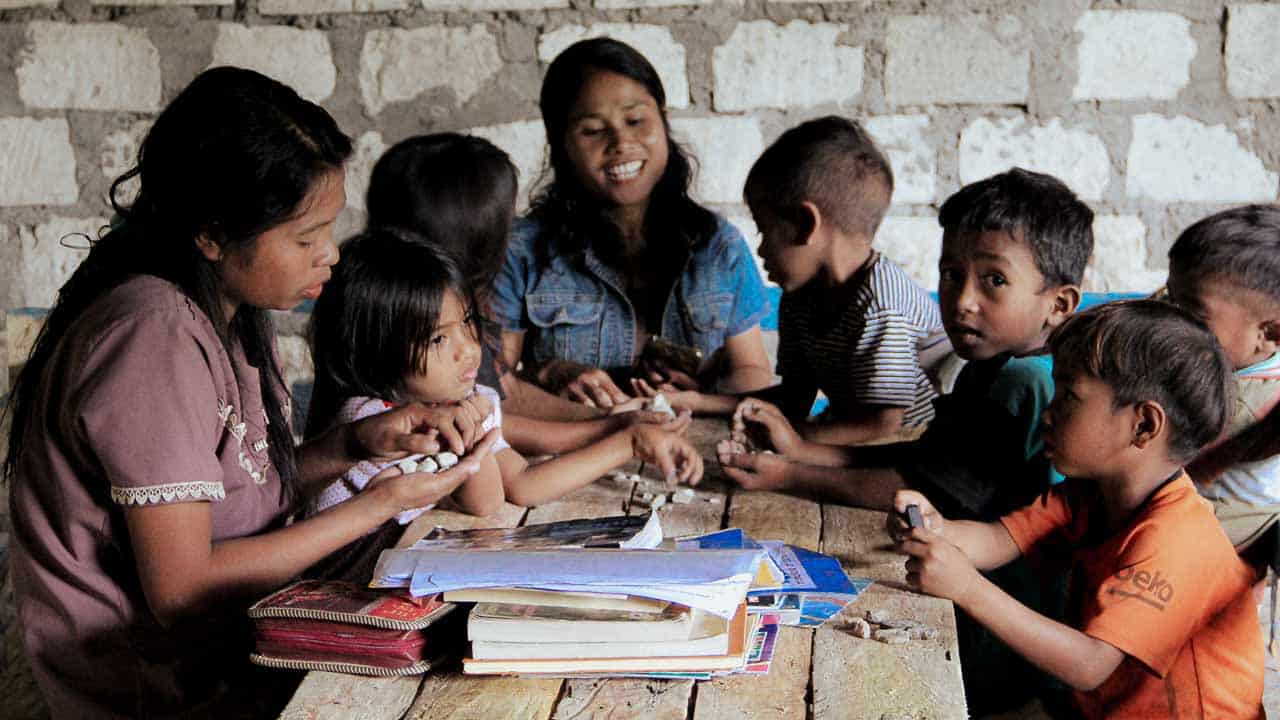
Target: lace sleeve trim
[(157, 494)]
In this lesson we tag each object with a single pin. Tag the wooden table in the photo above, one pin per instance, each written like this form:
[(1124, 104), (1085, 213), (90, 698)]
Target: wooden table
[(822, 673)]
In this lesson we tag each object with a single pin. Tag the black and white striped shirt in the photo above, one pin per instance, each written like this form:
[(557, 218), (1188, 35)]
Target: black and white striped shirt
[(869, 355)]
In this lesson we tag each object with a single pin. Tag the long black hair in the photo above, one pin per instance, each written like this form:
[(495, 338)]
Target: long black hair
[(458, 190), (235, 154), (371, 326), (570, 216)]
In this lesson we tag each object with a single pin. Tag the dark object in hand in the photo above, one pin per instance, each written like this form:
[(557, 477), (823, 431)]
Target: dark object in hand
[(683, 358), (913, 517)]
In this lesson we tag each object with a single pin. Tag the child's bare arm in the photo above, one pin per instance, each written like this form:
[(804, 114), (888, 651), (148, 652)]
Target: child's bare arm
[(525, 398), (555, 478), (870, 487), (940, 568), (535, 436), (867, 423), (482, 494)]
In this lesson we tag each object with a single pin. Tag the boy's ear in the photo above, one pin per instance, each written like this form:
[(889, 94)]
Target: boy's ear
[(211, 250), (1149, 423), (1066, 298), (1271, 332), (808, 223)]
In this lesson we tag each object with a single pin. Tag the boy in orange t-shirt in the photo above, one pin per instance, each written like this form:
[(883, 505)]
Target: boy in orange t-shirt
[(1160, 619)]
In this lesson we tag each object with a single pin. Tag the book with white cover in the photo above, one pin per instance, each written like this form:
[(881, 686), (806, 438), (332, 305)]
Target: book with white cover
[(739, 631), (709, 635), (526, 596), (499, 622)]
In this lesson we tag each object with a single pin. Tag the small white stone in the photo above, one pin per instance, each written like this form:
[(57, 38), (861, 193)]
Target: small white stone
[(877, 616), (683, 496), (427, 465), (446, 460), (860, 628), (891, 636), (922, 632), (660, 404), (714, 500), (658, 501), (646, 497), (408, 466)]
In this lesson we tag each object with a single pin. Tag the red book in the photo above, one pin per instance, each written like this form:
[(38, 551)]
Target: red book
[(343, 627)]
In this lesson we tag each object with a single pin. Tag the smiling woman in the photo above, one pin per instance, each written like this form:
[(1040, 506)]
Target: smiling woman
[(151, 466), (615, 251)]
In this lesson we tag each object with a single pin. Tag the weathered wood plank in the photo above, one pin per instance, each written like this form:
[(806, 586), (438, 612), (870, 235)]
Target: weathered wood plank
[(508, 517), (624, 699), (704, 433), (703, 515), (334, 696), (860, 678), (859, 540), (779, 695), (857, 678), (453, 696), (773, 516)]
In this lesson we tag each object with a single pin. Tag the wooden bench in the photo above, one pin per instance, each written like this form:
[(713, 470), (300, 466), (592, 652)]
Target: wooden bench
[(822, 673)]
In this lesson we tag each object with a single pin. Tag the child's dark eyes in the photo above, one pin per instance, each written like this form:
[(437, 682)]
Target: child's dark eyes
[(439, 340), (996, 280)]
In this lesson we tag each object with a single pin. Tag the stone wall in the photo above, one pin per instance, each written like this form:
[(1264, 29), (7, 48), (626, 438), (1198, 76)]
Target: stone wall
[(1154, 111)]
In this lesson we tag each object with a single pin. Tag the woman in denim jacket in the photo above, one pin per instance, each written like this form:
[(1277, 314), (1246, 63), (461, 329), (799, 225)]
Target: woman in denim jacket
[(614, 250)]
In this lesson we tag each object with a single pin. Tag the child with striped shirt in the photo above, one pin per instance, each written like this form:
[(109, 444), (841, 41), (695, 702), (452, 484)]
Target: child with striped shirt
[(851, 323)]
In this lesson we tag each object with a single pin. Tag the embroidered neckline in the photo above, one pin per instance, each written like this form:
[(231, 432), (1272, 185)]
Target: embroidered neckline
[(167, 493), (237, 427)]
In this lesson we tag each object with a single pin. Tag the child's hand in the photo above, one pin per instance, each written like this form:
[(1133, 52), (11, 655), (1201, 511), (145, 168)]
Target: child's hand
[(460, 426), (937, 567), (679, 399), (778, 430), (897, 522), (414, 490), (588, 385), (664, 446), (754, 471)]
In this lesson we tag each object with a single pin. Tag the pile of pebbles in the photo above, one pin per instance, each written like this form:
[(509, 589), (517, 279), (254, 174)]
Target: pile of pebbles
[(878, 625)]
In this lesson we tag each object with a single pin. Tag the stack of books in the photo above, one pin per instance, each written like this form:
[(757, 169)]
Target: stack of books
[(553, 604)]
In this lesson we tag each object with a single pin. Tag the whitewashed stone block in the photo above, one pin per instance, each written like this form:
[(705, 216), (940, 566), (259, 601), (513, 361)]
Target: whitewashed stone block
[(164, 3), (1132, 54), (494, 5), (1076, 157), (526, 143), (912, 158), (799, 64), (965, 59), (398, 65), (37, 162), (300, 59), (51, 252), (1253, 65), (1119, 262), (318, 7), (119, 153), (1179, 159), (295, 359), (623, 4), (368, 148), (656, 43), (725, 147), (915, 244), (94, 66)]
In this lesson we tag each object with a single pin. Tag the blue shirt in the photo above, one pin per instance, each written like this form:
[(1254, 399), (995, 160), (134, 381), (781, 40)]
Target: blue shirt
[(982, 455), (576, 307)]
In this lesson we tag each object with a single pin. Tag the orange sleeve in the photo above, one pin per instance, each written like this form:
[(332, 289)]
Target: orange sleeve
[(1157, 593), (1039, 523)]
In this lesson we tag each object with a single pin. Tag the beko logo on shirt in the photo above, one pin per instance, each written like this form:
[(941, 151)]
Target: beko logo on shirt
[(1151, 588)]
